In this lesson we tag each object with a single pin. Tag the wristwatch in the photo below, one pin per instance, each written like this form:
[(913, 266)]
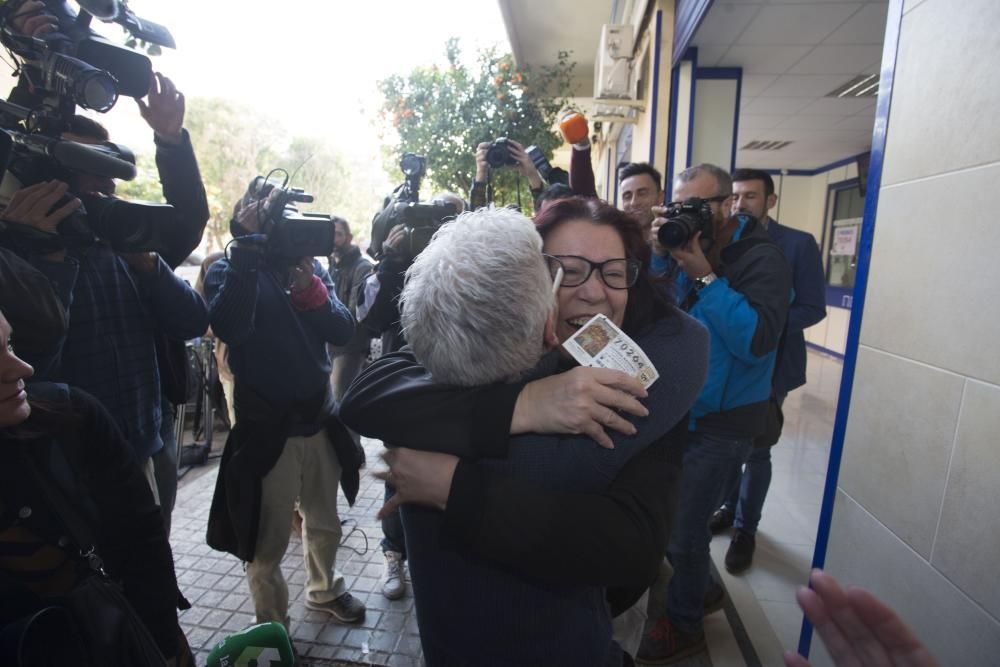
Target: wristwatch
[(705, 281)]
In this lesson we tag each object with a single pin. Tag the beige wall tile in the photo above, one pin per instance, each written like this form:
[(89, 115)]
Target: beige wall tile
[(899, 439), (968, 541), (864, 552), (944, 98), (931, 292)]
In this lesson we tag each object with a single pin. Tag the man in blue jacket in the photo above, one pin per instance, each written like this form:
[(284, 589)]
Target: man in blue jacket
[(738, 285), (753, 193)]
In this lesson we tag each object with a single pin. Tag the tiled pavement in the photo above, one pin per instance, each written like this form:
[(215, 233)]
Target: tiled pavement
[(215, 584)]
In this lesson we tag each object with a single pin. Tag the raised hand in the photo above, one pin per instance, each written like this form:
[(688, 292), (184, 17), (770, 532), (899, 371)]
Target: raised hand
[(163, 109), (857, 628)]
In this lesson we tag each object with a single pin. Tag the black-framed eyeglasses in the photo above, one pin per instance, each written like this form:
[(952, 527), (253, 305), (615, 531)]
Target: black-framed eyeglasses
[(615, 273)]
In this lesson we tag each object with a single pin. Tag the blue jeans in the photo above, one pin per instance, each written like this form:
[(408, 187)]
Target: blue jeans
[(392, 528), (165, 463), (750, 488), (710, 467)]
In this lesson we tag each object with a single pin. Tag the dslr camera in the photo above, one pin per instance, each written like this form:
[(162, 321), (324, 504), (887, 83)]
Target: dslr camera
[(498, 154), (403, 207), (72, 66), (286, 234), (684, 219)]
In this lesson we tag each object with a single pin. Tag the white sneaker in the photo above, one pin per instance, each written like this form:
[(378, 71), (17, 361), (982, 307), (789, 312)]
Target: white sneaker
[(393, 576)]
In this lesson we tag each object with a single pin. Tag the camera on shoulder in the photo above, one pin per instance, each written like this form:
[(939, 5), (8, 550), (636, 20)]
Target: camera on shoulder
[(403, 208)]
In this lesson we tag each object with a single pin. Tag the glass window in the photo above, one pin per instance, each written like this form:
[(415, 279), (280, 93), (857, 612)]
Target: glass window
[(846, 213)]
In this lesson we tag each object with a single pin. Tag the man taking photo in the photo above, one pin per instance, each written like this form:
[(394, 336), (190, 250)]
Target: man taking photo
[(753, 193), (736, 282)]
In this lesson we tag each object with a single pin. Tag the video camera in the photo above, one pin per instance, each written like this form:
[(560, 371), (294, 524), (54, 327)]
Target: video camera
[(72, 66), (286, 234), (402, 207)]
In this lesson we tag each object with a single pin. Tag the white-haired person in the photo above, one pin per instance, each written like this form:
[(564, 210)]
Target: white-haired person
[(516, 528)]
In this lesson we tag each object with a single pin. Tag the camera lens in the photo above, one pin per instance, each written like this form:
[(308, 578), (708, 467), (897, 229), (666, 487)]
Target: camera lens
[(498, 154), (676, 231), (411, 164)]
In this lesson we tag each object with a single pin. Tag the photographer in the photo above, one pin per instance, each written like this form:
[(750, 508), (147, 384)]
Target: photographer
[(128, 313), (277, 315), (117, 303), (482, 192), (399, 233), (736, 282)]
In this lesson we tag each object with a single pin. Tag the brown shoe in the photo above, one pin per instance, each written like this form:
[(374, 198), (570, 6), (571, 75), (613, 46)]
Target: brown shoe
[(665, 644)]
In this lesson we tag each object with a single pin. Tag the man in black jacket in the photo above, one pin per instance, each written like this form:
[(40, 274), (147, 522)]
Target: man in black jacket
[(348, 269), (277, 316)]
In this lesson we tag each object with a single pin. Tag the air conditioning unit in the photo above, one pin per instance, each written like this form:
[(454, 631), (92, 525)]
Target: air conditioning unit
[(613, 68)]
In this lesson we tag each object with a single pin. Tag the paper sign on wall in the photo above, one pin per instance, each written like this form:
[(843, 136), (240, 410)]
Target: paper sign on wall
[(845, 240)]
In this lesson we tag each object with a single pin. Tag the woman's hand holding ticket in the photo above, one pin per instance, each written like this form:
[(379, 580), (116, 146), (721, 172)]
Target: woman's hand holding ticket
[(583, 400)]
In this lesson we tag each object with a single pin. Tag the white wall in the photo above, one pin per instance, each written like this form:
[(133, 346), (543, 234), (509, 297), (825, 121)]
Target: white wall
[(642, 131), (916, 517), (682, 118), (715, 108)]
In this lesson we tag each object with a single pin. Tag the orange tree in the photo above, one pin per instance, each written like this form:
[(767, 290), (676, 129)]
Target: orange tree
[(444, 114)]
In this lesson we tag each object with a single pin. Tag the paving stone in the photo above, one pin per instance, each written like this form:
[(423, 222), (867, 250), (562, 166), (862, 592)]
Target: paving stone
[(367, 585), (193, 615), (351, 567), (239, 621), (384, 641), (211, 598), (409, 645), (233, 601), (306, 631), (228, 583), (402, 660), (215, 583), (332, 634), (216, 618), (392, 622), (208, 580), (199, 638), (356, 637)]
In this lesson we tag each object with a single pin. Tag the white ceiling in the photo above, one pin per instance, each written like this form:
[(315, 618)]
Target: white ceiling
[(538, 31), (792, 53)]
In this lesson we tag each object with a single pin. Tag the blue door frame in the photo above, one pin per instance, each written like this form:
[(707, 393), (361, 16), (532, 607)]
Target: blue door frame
[(890, 47)]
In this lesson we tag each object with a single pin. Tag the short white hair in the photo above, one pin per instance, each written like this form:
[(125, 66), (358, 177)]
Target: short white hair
[(476, 299)]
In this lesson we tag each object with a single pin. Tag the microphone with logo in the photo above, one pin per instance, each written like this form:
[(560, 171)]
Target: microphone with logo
[(264, 645)]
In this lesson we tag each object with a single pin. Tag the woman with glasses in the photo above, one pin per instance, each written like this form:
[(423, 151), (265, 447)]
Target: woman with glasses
[(608, 526)]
